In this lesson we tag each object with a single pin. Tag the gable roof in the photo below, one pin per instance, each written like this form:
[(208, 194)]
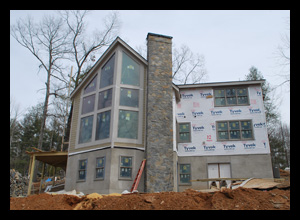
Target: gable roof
[(117, 41)]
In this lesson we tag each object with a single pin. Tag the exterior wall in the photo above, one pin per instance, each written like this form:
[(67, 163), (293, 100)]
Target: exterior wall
[(241, 166), (113, 147), (111, 182), (159, 148), (197, 107)]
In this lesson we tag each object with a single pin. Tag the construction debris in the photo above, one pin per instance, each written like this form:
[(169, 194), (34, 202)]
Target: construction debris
[(18, 184)]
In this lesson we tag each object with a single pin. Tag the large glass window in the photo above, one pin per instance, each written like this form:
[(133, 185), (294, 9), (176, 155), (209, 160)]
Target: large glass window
[(129, 97), (130, 71), (100, 167), (128, 124), (231, 96), (86, 126), (103, 125), (107, 73), (234, 130), (185, 173), (82, 169), (126, 167), (184, 132), (104, 99), (91, 86), (88, 104)]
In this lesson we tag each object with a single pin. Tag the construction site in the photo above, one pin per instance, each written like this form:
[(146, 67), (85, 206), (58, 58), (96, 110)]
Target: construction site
[(267, 195), (140, 142)]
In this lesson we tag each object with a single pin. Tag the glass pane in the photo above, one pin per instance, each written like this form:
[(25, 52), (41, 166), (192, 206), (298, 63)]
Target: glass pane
[(243, 100), (242, 92), (230, 92), (234, 125), (88, 104), (185, 168), (91, 87), (184, 137), (129, 97), (86, 126), (184, 127), (130, 71), (223, 135), (222, 126), (125, 172), (219, 93), (104, 99), (126, 161), (107, 73), (185, 178), (82, 164), (247, 134), (82, 174), (128, 124), (103, 125), (246, 125), (235, 135), (231, 100), (220, 101), (99, 172), (100, 162)]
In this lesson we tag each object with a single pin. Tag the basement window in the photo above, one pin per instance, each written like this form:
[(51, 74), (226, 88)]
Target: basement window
[(185, 173), (100, 167), (82, 169), (125, 167)]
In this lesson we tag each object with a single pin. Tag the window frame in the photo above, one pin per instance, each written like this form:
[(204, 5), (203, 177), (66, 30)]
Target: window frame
[(179, 174), (236, 95), (178, 133), (130, 167), (240, 130)]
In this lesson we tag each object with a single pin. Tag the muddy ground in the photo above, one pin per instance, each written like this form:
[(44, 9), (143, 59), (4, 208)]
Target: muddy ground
[(238, 199)]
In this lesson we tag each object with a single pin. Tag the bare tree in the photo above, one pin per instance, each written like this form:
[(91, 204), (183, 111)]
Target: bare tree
[(47, 41), (187, 67), (85, 47), (283, 56)]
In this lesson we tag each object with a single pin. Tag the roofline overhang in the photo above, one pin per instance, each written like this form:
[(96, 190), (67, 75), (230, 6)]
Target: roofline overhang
[(219, 84)]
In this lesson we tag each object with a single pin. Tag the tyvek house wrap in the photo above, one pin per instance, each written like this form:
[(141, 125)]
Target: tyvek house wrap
[(197, 107)]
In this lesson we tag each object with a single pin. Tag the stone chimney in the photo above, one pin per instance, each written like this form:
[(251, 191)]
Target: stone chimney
[(159, 172)]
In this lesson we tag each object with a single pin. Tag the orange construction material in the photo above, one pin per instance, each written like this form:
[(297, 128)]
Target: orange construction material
[(138, 176)]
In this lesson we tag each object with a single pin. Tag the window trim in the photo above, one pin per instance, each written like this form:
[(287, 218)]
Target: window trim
[(236, 96), (178, 133), (240, 129)]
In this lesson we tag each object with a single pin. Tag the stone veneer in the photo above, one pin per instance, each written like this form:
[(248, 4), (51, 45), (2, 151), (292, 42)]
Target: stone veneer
[(159, 143)]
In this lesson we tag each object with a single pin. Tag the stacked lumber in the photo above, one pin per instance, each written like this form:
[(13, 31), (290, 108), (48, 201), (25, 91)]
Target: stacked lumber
[(18, 184)]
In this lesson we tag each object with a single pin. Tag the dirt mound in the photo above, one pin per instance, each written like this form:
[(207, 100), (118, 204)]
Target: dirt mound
[(238, 199)]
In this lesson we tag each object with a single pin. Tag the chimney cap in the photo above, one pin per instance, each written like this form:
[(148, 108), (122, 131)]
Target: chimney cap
[(158, 35)]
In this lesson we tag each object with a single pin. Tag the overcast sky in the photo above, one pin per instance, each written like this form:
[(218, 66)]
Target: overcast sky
[(231, 42)]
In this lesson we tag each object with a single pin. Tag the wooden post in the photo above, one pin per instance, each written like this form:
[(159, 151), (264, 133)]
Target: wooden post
[(41, 182), (31, 174)]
